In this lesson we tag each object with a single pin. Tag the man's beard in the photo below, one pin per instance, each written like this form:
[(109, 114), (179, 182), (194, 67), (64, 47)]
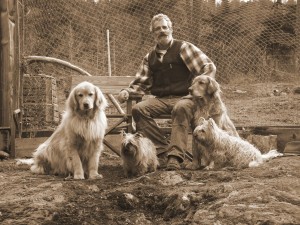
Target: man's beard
[(164, 39)]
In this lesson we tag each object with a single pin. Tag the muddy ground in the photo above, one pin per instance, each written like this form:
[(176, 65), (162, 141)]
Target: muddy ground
[(269, 194)]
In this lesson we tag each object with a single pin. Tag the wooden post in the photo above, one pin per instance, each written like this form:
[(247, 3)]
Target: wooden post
[(6, 64), (298, 35), (4, 68)]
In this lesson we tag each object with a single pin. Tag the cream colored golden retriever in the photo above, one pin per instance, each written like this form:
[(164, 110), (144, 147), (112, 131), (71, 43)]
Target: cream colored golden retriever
[(205, 92), (75, 146)]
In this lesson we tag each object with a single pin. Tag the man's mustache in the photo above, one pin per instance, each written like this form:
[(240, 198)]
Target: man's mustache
[(163, 34)]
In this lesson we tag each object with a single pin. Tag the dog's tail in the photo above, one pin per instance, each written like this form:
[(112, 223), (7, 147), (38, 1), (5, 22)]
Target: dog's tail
[(33, 166), (25, 161), (271, 154)]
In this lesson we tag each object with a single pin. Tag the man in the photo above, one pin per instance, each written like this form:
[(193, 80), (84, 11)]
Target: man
[(167, 72)]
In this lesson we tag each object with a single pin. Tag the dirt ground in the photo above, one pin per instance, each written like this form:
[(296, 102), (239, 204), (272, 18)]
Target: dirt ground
[(267, 195)]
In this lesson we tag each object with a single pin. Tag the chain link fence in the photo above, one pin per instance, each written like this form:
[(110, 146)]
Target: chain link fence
[(110, 37)]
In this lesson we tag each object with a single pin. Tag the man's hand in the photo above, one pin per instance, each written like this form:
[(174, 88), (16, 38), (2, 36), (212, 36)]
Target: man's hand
[(123, 96)]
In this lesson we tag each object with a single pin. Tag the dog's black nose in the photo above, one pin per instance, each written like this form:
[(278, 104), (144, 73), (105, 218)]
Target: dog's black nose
[(195, 132), (86, 105)]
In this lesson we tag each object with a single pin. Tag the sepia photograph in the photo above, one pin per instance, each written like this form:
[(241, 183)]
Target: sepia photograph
[(136, 112)]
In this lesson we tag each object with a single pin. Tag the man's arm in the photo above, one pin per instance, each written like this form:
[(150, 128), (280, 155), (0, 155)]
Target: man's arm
[(141, 83), (143, 79), (196, 61)]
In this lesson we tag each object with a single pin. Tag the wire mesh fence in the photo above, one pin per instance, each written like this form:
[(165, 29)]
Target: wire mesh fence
[(110, 37)]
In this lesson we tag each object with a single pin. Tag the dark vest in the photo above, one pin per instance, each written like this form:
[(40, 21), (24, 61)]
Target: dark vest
[(171, 76)]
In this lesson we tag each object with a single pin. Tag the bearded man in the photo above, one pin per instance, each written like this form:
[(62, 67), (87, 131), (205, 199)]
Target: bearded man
[(166, 73)]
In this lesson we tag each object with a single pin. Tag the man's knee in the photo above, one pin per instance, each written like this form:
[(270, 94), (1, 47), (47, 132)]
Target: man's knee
[(182, 108), (182, 112), (138, 110)]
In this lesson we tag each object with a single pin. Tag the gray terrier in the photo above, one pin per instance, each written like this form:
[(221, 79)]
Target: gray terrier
[(138, 154)]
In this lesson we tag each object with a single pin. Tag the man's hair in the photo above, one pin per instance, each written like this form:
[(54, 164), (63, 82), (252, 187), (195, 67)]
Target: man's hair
[(160, 17)]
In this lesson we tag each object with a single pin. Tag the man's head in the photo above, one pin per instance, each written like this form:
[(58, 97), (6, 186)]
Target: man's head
[(161, 27)]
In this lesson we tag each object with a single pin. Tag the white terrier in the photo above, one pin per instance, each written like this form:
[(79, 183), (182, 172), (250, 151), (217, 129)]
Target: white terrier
[(222, 149)]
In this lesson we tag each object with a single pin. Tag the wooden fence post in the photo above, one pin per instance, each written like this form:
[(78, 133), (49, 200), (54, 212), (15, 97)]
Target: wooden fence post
[(6, 74)]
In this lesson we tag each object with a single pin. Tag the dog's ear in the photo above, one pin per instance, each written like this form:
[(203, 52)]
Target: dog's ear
[(211, 122), (123, 133), (72, 103), (200, 121), (100, 100), (213, 86)]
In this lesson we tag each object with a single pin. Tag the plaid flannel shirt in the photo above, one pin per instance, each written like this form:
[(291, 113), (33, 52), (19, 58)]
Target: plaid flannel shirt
[(195, 60)]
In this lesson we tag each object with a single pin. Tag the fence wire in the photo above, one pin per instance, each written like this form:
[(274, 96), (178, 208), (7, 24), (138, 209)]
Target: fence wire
[(110, 37)]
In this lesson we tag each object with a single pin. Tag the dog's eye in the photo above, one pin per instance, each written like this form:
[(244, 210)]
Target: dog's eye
[(201, 82), (138, 135), (80, 95), (91, 94)]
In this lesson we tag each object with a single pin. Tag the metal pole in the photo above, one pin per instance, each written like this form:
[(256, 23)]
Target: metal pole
[(108, 43), (108, 53)]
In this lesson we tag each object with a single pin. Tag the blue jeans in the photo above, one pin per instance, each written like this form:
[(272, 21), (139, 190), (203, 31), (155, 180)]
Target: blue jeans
[(181, 111)]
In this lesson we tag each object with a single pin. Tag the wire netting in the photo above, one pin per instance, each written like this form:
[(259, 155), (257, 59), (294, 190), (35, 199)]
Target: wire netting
[(110, 37)]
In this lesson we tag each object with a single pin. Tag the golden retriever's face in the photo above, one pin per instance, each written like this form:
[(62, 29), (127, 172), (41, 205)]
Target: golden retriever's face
[(203, 86), (86, 97)]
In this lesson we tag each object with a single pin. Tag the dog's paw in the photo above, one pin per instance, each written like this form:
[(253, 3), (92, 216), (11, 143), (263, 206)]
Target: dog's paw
[(254, 163), (192, 166), (95, 176), (78, 177), (208, 168), (211, 166), (228, 168), (69, 177), (140, 173)]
